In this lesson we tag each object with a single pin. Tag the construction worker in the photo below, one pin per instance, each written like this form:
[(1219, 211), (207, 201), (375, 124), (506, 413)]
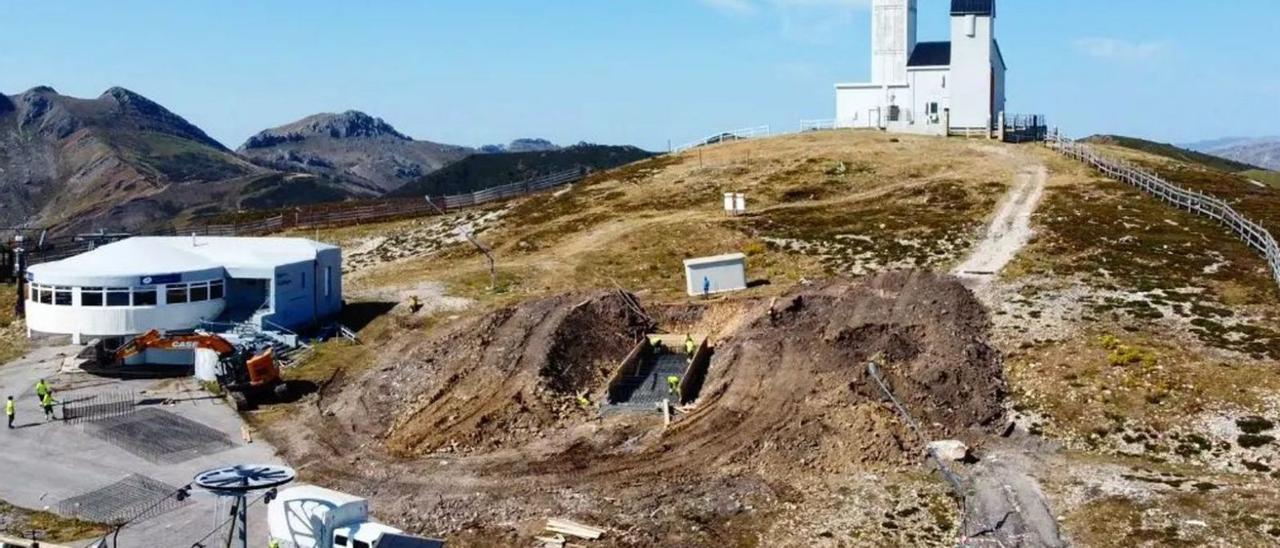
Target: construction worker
[(706, 287), (47, 403), (656, 343), (42, 389), (415, 304), (689, 347), (273, 543), (673, 384), (583, 402), (9, 409)]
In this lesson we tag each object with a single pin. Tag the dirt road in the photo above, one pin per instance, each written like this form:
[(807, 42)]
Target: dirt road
[(1009, 231), (1007, 504)]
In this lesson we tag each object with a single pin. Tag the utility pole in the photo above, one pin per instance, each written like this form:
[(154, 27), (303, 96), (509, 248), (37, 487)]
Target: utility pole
[(20, 276), (488, 253)]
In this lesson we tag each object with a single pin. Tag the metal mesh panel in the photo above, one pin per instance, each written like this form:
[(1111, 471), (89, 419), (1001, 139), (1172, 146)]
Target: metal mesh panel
[(97, 406), (160, 436), (122, 501)]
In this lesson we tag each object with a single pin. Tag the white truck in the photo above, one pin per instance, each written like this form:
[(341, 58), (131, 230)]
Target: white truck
[(314, 517)]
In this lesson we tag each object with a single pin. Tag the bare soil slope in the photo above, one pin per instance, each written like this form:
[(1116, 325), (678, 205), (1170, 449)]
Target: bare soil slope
[(795, 389), (787, 406), (499, 379)]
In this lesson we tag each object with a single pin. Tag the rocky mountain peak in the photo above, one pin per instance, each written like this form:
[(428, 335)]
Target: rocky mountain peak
[(354, 123), (126, 97), (345, 125), (40, 90)]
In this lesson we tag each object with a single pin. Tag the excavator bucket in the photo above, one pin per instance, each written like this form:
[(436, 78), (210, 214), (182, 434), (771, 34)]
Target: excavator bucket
[(262, 369)]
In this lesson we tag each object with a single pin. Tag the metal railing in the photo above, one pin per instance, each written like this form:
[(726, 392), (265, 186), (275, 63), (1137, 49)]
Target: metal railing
[(1023, 128), (725, 137), (1250, 232), (817, 125)]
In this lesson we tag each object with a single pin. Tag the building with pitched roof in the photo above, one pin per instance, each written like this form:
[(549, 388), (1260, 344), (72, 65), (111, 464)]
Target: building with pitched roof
[(928, 87)]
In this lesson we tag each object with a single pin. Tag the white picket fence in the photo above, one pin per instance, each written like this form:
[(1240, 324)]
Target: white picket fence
[(1251, 233), (725, 136)]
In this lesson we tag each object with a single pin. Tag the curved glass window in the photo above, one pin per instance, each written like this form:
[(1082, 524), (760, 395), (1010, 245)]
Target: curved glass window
[(175, 293), (117, 296), (144, 296), (91, 296)]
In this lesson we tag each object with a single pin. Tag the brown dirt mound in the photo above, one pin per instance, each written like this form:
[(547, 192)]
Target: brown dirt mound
[(794, 392), (499, 380)]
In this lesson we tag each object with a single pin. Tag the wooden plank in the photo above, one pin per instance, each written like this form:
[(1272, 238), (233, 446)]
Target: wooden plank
[(558, 525)]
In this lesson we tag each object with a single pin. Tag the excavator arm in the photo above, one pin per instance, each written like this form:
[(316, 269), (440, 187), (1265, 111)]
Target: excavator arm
[(153, 339)]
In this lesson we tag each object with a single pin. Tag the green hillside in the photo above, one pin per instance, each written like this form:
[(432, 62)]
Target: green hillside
[(481, 171), (1270, 178), (1172, 152)]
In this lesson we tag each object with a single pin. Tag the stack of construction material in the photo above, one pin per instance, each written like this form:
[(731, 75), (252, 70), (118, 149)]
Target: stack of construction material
[(562, 527)]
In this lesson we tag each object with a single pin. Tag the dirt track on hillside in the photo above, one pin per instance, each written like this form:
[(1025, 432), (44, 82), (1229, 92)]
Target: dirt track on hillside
[(1009, 230), (474, 433)]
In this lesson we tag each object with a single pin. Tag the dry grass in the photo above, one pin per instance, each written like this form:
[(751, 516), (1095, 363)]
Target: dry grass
[(1201, 514), (1253, 201), (13, 340), (1091, 388), (1160, 264), (20, 522), (1177, 325), (635, 225)]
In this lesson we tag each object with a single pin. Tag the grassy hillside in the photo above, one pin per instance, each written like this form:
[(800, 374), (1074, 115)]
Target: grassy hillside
[(1172, 152), (836, 203), (1138, 336), (481, 171), (1254, 201), (1270, 178)]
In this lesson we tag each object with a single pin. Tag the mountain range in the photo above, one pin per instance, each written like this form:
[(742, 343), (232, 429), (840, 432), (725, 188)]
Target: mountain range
[(123, 162), (1259, 151)]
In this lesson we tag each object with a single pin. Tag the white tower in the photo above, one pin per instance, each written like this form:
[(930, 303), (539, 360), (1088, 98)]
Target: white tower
[(893, 36), (977, 70)]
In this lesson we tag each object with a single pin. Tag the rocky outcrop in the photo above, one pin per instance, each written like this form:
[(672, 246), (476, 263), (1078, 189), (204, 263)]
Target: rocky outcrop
[(355, 148), (67, 162), (521, 145)]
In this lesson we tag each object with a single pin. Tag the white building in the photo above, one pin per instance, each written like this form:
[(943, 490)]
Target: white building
[(718, 274), (176, 283), (918, 87)]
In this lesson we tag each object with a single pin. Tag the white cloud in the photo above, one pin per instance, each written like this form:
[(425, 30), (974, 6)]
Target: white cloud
[(1118, 49)]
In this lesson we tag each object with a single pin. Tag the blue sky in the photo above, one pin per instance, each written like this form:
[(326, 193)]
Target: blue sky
[(632, 71)]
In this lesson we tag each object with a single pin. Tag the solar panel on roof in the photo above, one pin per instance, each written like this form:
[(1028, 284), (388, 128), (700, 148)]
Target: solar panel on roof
[(974, 7)]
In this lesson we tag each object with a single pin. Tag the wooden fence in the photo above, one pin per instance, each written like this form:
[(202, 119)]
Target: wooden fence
[(1251, 233)]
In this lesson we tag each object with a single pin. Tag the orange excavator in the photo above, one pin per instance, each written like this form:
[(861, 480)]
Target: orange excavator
[(244, 375)]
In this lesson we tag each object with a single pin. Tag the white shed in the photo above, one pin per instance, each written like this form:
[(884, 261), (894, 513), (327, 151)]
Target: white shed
[(718, 274)]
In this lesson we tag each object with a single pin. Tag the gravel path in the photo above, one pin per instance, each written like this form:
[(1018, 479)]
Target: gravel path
[(1009, 230)]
